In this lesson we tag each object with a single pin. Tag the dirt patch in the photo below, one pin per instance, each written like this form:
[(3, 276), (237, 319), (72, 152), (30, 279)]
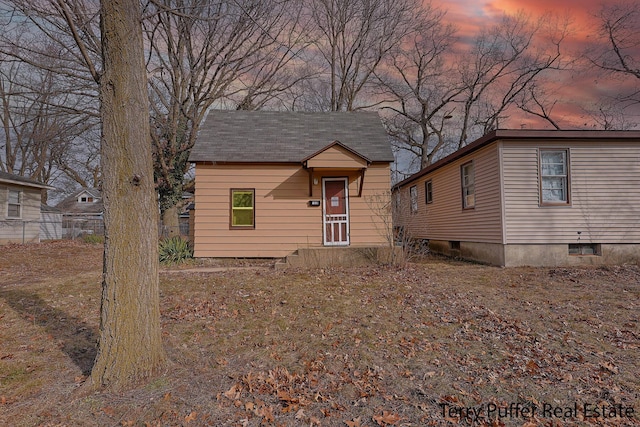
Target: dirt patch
[(435, 343)]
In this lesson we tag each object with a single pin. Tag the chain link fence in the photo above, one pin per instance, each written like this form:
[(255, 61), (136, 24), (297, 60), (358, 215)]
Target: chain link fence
[(23, 231)]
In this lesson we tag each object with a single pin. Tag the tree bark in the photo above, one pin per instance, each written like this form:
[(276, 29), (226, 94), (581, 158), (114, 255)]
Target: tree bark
[(171, 221), (130, 346)]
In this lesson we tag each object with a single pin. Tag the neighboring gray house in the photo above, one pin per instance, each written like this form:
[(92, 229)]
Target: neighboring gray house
[(50, 223), (82, 213), (20, 200), (525, 197)]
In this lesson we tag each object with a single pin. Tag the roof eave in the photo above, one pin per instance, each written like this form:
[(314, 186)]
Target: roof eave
[(510, 134), (27, 184)]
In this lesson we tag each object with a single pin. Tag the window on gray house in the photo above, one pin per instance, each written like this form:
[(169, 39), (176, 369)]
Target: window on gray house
[(554, 177), (468, 185), (428, 192), (14, 208)]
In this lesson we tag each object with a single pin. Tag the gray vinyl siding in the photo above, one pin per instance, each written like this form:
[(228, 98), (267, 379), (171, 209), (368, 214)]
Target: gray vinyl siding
[(604, 194), (444, 218), (27, 227)]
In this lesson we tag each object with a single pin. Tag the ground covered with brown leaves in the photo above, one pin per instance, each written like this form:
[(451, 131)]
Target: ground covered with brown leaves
[(435, 343)]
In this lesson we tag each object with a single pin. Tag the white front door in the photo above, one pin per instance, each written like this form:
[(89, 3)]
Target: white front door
[(335, 211)]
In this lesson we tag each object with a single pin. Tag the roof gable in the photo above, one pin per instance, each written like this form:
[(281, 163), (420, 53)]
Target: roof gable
[(336, 155), (71, 204), (232, 136)]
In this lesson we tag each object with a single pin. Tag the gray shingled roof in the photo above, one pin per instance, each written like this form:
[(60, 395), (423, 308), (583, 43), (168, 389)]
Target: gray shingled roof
[(17, 179), (70, 204), (276, 136)]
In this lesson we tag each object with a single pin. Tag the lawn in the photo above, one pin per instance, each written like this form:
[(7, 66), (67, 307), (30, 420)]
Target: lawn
[(437, 342)]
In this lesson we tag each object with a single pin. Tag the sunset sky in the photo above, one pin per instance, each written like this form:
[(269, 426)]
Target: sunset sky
[(577, 90)]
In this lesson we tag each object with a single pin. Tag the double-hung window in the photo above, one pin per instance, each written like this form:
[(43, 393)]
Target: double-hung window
[(242, 208), (428, 191), (468, 186), (14, 205), (554, 177)]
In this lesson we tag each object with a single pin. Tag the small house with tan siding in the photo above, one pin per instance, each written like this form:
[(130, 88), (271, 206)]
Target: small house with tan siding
[(20, 201), (269, 183), (527, 197)]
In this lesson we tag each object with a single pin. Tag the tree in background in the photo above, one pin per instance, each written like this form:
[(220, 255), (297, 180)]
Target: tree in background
[(47, 115), (351, 40), (418, 77), (617, 55), (238, 54), (505, 60), (444, 97)]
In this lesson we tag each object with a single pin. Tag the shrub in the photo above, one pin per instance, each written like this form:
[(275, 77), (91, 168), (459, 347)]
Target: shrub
[(93, 238), (175, 250)]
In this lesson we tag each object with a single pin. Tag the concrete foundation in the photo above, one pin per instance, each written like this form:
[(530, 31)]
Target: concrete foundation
[(558, 255), (538, 255), (487, 253)]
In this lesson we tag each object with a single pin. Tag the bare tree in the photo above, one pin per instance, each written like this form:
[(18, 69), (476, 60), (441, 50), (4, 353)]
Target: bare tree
[(130, 345), (419, 80), (617, 52), (240, 53), (353, 37), (444, 96), (49, 96), (535, 101), (504, 61), (38, 135), (62, 36), (619, 26)]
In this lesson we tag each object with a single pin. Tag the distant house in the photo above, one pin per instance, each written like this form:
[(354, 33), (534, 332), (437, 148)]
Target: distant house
[(268, 183), (524, 197), (82, 213), (20, 200)]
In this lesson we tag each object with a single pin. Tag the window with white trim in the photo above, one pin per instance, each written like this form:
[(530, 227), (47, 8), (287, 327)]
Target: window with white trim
[(14, 205), (468, 185), (554, 177)]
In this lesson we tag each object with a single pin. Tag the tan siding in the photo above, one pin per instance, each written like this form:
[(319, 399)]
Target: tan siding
[(444, 219), (604, 194), (336, 157), (284, 220)]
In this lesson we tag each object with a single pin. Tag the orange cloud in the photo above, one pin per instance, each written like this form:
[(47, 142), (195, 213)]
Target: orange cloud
[(577, 91)]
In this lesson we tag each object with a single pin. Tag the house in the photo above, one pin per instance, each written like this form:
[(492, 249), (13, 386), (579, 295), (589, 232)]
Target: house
[(20, 200), (268, 183), (528, 197), (82, 213)]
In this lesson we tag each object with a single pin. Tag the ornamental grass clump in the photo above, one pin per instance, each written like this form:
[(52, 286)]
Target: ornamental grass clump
[(175, 250), (93, 239)]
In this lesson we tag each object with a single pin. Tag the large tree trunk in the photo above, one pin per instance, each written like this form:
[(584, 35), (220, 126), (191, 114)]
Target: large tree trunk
[(171, 221), (130, 344)]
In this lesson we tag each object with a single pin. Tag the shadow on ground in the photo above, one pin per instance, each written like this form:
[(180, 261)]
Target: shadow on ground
[(75, 338)]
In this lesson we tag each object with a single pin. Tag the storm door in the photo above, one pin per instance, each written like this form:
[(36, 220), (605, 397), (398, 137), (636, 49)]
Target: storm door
[(335, 211)]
